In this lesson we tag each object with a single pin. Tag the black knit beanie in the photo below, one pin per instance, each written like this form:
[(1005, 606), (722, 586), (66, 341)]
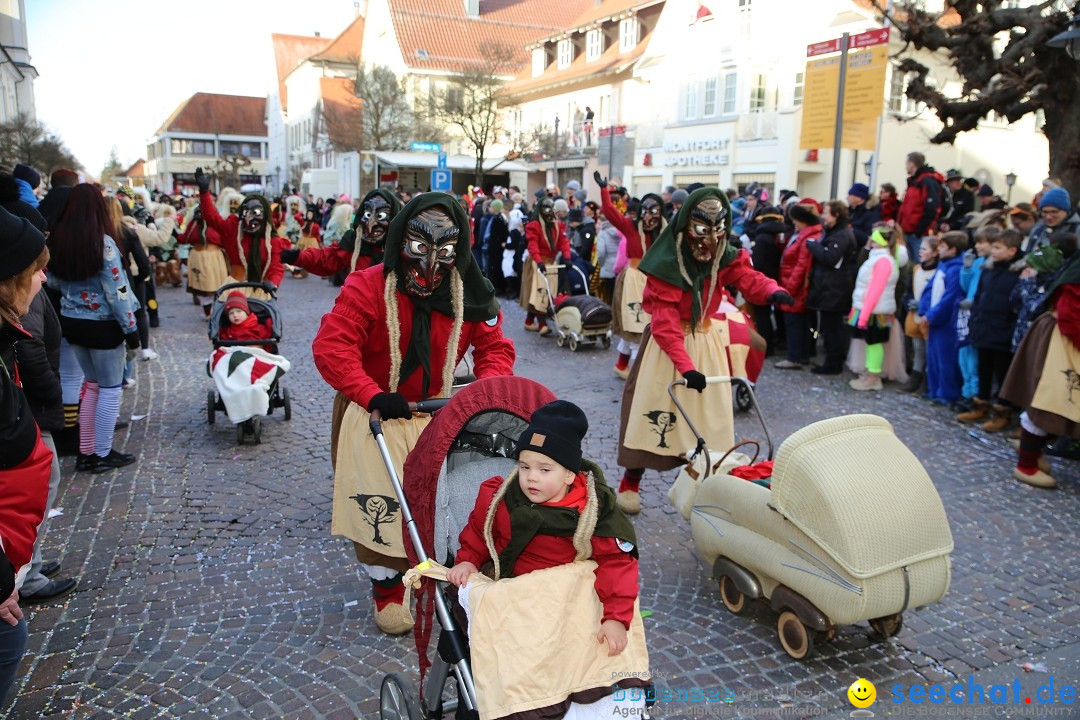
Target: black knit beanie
[(20, 244), (556, 431)]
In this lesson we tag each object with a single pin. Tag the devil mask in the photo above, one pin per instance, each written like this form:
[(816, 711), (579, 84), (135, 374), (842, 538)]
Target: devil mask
[(429, 251), (651, 212), (706, 233), (374, 220), (253, 216), (546, 210)]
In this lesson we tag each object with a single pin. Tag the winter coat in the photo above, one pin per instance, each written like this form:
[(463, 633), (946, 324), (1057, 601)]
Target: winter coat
[(832, 278), (543, 250), (104, 297), (238, 248), (889, 207), (961, 203), (38, 357), (136, 261), (922, 202), (940, 308), (993, 311), (768, 247), (1040, 234), (875, 285), (795, 264), (862, 220), (607, 249)]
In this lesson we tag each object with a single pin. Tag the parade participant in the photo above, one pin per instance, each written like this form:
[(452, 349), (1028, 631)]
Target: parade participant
[(239, 235), (628, 318), (310, 239), (686, 267), (385, 344), (207, 266), (351, 253), (546, 238)]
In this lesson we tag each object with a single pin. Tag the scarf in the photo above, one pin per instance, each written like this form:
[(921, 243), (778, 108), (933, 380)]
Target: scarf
[(248, 323), (479, 304), (669, 258), (528, 520)]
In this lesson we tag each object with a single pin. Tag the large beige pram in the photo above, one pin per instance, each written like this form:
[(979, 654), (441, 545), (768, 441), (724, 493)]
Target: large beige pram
[(852, 529)]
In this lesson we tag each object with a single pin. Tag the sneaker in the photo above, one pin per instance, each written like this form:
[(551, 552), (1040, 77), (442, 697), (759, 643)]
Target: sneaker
[(111, 461), (1037, 478), (867, 382), (394, 619), (788, 365), (629, 502), (149, 354), (53, 590), (85, 462), (129, 383)]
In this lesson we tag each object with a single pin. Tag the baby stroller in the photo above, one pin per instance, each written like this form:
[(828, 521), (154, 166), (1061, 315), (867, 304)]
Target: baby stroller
[(850, 528), (578, 319), (745, 351), (262, 309)]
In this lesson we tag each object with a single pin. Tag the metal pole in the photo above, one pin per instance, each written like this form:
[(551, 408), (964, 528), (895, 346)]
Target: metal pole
[(555, 159), (838, 133), (880, 122), (611, 149)]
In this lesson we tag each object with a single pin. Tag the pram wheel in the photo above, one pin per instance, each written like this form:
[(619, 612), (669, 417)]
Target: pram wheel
[(398, 699), (210, 401), (286, 402), (794, 637), (884, 628), (742, 397), (731, 596), (256, 430), (240, 432), (560, 341), (606, 342), (573, 343)]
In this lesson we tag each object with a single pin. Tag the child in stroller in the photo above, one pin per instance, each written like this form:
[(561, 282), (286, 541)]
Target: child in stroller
[(242, 324)]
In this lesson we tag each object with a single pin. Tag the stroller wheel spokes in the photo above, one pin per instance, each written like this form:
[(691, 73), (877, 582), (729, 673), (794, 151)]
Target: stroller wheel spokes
[(398, 699)]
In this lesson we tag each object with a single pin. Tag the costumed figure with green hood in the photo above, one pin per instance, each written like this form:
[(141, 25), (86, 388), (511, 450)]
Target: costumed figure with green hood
[(546, 238), (395, 336), (629, 318), (253, 250), (686, 269), (352, 253)]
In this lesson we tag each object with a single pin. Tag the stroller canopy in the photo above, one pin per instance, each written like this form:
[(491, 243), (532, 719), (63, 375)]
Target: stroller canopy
[(852, 486)]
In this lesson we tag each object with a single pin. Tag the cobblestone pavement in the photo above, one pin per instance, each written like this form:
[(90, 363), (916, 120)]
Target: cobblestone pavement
[(211, 588)]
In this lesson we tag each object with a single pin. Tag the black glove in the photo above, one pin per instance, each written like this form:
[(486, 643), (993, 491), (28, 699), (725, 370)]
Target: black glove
[(289, 257), (601, 181), (780, 297), (270, 288), (390, 406), (694, 380), (202, 180), (132, 341), (541, 268)]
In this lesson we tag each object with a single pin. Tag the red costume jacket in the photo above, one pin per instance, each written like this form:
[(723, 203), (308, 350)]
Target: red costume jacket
[(352, 347), (669, 305), (540, 249), (795, 263), (330, 260), (616, 571), (635, 249), (191, 235), (227, 230), (250, 329)]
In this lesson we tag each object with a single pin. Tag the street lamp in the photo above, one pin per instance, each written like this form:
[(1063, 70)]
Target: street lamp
[(868, 167), (1069, 40), (1010, 180)]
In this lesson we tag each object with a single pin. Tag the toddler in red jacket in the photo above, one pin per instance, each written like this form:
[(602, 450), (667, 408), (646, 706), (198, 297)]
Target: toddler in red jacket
[(540, 517), (240, 323)]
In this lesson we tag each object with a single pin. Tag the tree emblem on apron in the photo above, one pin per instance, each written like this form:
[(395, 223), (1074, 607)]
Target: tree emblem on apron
[(378, 510), (662, 423), (636, 308), (1072, 380)]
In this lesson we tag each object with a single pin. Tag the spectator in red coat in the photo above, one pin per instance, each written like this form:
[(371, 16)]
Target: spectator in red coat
[(795, 264)]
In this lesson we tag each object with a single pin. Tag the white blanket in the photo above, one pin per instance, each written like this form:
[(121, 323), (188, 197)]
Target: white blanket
[(243, 376)]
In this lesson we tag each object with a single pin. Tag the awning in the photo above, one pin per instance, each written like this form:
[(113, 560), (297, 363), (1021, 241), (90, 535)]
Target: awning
[(408, 159)]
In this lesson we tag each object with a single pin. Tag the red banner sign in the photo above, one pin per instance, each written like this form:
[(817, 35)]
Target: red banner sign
[(877, 36)]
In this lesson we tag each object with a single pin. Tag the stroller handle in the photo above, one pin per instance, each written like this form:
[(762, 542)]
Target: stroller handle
[(424, 406), (269, 288), (718, 380)]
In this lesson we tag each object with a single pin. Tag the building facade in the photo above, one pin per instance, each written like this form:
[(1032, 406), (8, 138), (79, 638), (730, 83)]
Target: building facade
[(17, 74)]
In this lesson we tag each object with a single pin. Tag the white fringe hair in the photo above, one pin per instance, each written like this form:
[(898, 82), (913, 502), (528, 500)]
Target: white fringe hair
[(393, 327)]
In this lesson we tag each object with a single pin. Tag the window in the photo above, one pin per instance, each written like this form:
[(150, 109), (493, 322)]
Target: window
[(730, 85), (565, 53), (594, 44), (899, 102), (710, 97), (628, 34), (800, 83), (455, 99), (744, 5), (690, 109), (539, 61), (192, 147), (758, 93)]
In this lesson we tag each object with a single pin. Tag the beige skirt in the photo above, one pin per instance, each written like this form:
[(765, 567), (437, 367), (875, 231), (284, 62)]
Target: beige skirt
[(534, 297), (628, 318), (307, 241), (652, 433), (208, 269), (366, 508)]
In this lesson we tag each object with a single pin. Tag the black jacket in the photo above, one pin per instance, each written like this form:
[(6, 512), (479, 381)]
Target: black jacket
[(993, 315), (768, 246), (39, 364), (53, 204), (832, 279), (132, 250), (862, 220), (18, 431), (961, 203), (497, 235)]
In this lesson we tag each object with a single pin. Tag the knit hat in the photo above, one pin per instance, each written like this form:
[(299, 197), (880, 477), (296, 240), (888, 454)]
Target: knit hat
[(811, 203), (804, 214), (237, 301), (972, 184), (573, 186), (20, 244), (953, 174), (556, 431), (581, 195), (769, 212), (679, 196), (859, 190), (986, 191), (1056, 198), (29, 174), (496, 205), (694, 186), (575, 215)]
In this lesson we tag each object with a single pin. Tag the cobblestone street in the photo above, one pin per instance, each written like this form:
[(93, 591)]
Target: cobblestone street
[(210, 586)]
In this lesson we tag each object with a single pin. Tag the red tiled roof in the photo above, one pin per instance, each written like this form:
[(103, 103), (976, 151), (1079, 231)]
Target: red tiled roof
[(600, 11), (224, 114), (345, 48), (459, 41), (290, 51), (136, 170), (610, 61)]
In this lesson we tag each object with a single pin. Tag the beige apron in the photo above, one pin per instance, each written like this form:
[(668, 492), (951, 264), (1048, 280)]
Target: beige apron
[(632, 318), (1058, 391), (534, 293), (366, 509), (208, 269), (654, 423)]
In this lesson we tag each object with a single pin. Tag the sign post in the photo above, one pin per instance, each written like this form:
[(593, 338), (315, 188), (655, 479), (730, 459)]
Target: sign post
[(425, 147), (441, 163), (442, 180), (838, 124)]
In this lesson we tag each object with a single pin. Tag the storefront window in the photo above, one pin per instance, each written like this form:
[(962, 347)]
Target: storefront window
[(730, 85), (710, 97)]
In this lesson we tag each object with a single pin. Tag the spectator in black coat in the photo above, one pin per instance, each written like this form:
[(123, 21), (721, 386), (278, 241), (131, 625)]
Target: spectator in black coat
[(832, 281), (960, 201), (9, 198), (862, 218), (767, 247)]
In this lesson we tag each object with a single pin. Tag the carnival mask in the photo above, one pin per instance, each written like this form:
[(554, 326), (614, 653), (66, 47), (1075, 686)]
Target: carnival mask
[(375, 217), (234, 205), (429, 251), (650, 214), (706, 233), (547, 210), (253, 217)]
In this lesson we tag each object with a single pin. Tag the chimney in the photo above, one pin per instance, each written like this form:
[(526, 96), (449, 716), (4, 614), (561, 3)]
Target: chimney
[(317, 34), (472, 8)]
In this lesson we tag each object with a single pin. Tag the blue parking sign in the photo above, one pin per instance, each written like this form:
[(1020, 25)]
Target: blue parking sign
[(441, 180)]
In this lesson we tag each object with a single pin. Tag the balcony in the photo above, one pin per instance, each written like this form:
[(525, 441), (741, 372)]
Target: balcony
[(757, 125)]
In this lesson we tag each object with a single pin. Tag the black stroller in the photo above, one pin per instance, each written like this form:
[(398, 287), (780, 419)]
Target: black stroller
[(263, 310)]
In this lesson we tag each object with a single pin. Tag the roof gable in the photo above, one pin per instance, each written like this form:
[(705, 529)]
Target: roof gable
[(223, 114), (346, 47), (290, 51)]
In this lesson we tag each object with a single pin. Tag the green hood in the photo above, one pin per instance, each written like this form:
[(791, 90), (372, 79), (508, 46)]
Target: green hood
[(660, 260)]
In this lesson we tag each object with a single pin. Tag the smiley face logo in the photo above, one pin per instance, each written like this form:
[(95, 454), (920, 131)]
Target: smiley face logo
[(862, 693)]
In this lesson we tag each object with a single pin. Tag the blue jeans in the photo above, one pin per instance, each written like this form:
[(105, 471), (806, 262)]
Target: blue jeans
[(12, 647), (914, 242), (105, 367)]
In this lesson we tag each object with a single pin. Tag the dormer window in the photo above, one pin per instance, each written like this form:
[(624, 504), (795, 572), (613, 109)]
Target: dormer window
[(565, 53), (539, 61), (594, 44), (628, 34)]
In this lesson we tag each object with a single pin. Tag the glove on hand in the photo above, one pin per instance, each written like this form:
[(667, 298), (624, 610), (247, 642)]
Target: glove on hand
[(541, 268), (601, 181), (391, 406), (694, 380), (132, 341), (202, 180), (781, 297), (289, 257)]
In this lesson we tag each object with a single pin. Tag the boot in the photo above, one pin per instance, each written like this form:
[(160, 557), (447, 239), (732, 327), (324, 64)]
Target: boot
[(629, 501), (1001, 419), (1037, 478), (173, 271), (980, 409), (914, 382), (391, 614), (866, 382)]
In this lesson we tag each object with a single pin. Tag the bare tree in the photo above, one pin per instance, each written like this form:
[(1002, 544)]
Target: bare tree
[(468, 102), (540, 140), (1000, 53), (27, 141), (228, 168), (344, 124), (112, 168)]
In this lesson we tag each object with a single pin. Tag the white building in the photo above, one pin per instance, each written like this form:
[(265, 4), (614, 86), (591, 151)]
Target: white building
[(289, 52), (16, 73), (202, 131)]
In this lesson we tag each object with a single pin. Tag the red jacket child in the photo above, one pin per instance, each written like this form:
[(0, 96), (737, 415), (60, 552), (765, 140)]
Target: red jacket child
[(795, 267), (240, 323)]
